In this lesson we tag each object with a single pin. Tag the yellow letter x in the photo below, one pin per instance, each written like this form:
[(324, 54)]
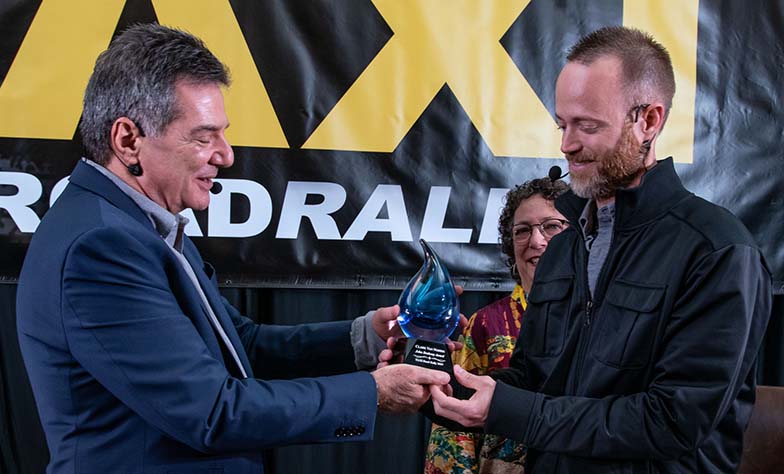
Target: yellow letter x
[(437, 42)]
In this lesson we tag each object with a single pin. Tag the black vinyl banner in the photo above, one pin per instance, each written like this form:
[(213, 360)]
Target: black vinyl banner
[(361, 126)]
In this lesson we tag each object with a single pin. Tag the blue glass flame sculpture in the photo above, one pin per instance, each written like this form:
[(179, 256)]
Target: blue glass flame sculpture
[(429, 308)]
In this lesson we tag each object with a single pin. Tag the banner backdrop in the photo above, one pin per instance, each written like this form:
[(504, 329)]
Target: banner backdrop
[(361, 126)]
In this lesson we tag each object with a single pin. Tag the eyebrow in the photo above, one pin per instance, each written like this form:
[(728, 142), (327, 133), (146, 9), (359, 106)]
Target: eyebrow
[(591, 120), (582, 120), (207, 128)]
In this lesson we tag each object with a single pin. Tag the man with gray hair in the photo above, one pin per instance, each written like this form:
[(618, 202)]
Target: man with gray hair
[(638, 347), (136, 362)]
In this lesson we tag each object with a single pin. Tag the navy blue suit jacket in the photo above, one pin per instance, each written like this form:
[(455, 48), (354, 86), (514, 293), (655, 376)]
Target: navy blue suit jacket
[(127, 371)]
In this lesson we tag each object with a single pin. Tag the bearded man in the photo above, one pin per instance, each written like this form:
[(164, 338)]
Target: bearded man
[(638, 349)]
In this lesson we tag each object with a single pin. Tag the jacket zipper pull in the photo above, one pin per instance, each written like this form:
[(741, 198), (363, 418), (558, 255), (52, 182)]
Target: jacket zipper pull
[(588, 307)]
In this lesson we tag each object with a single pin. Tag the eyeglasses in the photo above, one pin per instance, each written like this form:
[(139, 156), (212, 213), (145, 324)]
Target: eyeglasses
[(549, 228)]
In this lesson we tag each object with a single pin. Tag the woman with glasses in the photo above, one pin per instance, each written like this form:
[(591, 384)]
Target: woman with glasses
[(527, 223)]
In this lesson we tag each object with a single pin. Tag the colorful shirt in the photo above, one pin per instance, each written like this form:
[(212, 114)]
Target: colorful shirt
[(488, 342)]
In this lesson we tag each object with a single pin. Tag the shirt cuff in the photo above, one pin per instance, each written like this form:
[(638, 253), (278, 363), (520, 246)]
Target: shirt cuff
[(366, 343)]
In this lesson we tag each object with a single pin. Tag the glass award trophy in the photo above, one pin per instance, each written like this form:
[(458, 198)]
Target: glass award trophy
[(429, 313)]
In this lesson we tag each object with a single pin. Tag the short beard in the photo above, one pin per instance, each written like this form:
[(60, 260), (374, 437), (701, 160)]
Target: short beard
[(615, 169)]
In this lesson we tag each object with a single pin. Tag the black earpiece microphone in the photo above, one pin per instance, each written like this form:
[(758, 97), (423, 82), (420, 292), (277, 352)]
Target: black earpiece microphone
[(645, 146), (135, 169), (555, 174), (216, 187)]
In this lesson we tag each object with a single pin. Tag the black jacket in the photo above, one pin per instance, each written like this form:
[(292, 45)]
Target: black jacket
[(656, 372)]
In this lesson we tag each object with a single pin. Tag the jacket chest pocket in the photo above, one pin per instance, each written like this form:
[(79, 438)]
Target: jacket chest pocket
[(627, 324), (545, 321)]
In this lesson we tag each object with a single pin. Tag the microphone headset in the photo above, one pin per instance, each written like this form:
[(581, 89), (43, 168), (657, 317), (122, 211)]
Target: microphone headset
[(135, 169), (555, 174)]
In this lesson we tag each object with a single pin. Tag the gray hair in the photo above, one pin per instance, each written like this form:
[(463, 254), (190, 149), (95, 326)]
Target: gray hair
[(136, 77)]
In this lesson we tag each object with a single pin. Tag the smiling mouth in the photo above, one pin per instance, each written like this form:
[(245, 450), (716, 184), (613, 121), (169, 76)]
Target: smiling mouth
[(578, 165)]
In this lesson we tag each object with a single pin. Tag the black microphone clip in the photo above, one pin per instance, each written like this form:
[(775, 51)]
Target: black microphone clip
[(555, 174), (216, 187)]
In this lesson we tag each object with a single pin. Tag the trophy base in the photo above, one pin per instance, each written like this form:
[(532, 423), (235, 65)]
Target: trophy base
[(424, 353)]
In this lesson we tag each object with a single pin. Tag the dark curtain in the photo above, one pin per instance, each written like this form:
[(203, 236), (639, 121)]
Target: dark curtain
[(399, 441), (22, 443)]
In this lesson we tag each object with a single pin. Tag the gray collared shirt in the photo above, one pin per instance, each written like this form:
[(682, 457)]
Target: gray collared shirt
[(597, 226), (169, 226)]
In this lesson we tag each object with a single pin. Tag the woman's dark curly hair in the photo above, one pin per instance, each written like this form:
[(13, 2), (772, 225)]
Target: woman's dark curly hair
[(544, 187)]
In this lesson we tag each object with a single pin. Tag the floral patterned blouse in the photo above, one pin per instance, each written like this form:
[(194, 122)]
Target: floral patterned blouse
[(488, 342)]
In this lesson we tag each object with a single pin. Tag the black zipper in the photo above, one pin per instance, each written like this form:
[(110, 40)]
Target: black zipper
[(585, 330), (586, 323), (585, 336), (588, 308)]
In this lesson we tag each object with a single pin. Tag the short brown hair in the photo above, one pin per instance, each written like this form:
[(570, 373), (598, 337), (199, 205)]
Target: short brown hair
[(646, 65)]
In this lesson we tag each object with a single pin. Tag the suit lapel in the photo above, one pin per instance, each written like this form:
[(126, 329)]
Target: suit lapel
[(90, 179), (210, 287)]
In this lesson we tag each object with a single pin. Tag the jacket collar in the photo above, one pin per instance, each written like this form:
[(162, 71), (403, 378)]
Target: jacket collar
[(659, 190), (86, 177)]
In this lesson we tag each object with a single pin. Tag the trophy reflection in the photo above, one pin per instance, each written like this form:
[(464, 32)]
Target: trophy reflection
[(429, 313)]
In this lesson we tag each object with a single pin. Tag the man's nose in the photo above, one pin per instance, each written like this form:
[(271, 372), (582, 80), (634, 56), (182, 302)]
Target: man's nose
[(569, 143), (223, 157)]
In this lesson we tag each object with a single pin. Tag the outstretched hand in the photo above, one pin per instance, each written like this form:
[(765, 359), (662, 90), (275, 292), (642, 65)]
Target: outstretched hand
[(405, 388), (384, 322), (469, 413)]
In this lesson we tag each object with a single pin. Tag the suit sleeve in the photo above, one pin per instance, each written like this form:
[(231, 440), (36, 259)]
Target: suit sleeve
[(304, 350), (710, 345), (123, 323)]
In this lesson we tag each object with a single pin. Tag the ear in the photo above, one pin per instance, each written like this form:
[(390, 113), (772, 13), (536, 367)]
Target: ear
[(651, 121), (124, 140)]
